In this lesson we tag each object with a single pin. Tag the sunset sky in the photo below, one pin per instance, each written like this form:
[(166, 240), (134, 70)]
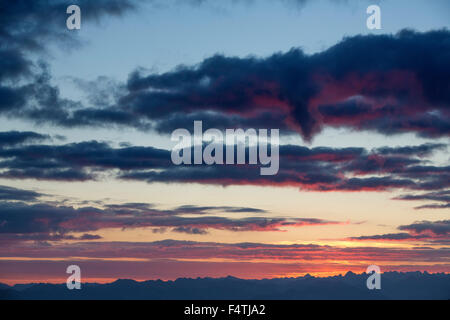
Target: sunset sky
[(86, 115)]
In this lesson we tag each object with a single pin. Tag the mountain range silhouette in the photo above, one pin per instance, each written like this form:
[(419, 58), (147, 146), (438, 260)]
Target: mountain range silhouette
[(394, 285)]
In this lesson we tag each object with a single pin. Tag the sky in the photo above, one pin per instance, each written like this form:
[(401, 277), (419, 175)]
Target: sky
[(86, 117)]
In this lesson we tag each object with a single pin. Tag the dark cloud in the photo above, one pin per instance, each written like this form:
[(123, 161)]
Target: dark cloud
[(13, 65), (322, 180), (190, 209), (76, 161), (389, 84), (179, 250), (427, 231), (142, 208), (49, 222), (88, 236), (30, 25), (390, 236), (385, 83), (434, 206), (12, 98), (11, 138), (319, 168), (439, 228), (27, 28), (12, 238), (48, 174), (9, 193), (441, 196), (435, 196), (422, 150), (189, 230)]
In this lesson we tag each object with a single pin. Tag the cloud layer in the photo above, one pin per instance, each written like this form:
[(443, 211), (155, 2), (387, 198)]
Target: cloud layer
[(40, 221), (387, 83)]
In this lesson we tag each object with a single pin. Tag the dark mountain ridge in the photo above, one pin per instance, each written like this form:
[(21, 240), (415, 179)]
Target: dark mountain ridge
[(394, 285)]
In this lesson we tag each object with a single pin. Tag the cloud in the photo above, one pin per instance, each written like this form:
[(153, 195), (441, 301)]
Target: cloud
[(142, 208), (317, 169), (88, 236), (190, 209), (45, 221), (30, 25), (193, 250), (391, 236), (12, 238), (70, 162), (378, 86), (189, 230), (9, 193), (438, 228), (11, 138), (441, 196), (13, 65), (384, 83), (434, 206), (27, 29), (428, 231), (422, 150)]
